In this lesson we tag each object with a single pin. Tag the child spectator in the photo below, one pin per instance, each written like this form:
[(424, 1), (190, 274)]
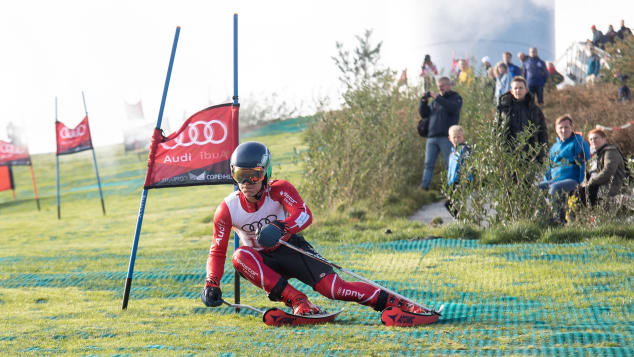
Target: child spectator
[(502, 81), (459, 153)]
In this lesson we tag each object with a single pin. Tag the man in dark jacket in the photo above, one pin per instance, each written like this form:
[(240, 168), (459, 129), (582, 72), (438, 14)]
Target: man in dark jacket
[(536, 74), (443, 112), (516, 111)]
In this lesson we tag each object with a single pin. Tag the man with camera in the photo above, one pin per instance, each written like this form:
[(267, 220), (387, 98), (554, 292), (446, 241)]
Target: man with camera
[(438, 116)]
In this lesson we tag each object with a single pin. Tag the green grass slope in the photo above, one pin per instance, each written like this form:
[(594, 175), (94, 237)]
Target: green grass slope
[(61, 281)]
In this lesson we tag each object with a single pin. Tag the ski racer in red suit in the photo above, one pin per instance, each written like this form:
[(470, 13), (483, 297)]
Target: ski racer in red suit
[(260, 202)]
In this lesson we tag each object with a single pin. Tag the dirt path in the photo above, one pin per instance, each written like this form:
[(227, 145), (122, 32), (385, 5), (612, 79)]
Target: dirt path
[(431, 211)]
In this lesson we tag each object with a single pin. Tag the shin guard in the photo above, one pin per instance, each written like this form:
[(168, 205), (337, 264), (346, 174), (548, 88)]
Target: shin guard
[(335, 288)]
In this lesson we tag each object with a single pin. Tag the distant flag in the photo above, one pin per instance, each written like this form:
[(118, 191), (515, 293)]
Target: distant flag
[(6, 178), (73, 140), (198, 153), (14, 155), (136, 130), (70, 141)]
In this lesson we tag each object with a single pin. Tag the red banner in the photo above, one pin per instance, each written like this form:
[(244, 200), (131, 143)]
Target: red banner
[(6, 178), (74, 140), (13, 155), (198, 153)]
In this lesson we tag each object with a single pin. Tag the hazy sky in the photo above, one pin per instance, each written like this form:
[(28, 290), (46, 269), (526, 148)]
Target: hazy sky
[(116, 50)]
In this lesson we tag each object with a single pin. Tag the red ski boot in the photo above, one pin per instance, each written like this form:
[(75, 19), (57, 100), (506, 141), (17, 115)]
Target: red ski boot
[(298, 301)]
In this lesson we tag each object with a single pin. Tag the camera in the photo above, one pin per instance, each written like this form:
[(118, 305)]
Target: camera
[(426, 96)]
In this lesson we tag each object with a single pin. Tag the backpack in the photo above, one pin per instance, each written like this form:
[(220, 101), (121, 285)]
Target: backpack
[(423, 127)]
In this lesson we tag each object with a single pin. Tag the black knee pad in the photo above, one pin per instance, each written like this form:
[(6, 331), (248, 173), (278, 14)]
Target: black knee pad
[(276, 292), (381, 301)]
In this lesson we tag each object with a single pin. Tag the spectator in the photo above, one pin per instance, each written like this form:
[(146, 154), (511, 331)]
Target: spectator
[(428, 68), (502, 81), (610, 35), (465, 73), (513, 70), (443, 112), (624, 90), (597, 37), (594, 65), (515, 111), (606, 170), (489, 79), (567, 166), (554, 77), (623, 31), (536, 74), (460, 151), (521, 56)]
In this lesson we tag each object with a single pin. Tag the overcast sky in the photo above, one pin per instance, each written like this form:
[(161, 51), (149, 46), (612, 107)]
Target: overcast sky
[(119, 50)]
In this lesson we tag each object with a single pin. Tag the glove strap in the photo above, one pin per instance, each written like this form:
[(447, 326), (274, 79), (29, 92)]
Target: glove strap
[(210, 282)]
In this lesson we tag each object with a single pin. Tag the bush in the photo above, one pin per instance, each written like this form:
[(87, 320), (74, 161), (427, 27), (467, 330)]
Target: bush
[(368, 150)]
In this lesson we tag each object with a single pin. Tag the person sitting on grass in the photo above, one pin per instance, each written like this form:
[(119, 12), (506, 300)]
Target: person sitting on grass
[(566, 170), (606, 170), (459, 153), (274, 206)]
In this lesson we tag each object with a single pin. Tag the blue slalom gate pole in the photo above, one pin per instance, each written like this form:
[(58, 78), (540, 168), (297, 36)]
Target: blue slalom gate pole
[(236, 240), (94, 159), (137, 231), (59, 213)]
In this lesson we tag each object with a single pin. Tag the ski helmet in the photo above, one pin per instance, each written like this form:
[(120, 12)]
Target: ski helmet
[(251, 162)]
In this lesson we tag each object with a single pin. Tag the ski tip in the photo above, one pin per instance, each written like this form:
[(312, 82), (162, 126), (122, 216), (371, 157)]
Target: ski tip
[(442, 307)]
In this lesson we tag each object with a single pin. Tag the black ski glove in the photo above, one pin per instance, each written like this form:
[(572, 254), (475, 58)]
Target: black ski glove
[(271, 234), (211, 295)]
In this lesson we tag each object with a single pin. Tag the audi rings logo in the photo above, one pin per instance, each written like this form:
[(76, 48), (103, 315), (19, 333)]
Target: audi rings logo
[(256, 226), (10, 149), (66, 133), (192, 136)]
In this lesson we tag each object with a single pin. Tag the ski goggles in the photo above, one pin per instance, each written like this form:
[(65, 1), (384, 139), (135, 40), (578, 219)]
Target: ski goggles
[(249, 175)]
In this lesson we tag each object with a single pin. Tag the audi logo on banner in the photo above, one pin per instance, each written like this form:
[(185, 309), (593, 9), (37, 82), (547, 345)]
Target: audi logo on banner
[(66, 133), (256, 226), (10, 149), (192, 135)]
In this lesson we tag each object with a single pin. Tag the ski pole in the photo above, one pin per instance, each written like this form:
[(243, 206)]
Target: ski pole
[(320, 259), (241, 306)]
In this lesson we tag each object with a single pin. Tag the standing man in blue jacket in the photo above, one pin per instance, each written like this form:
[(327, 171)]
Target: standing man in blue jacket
[(536, 74), (568, 157), (442, 113)]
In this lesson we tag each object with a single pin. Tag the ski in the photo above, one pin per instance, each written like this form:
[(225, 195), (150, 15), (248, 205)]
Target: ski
[(277, 317), (396, 317)]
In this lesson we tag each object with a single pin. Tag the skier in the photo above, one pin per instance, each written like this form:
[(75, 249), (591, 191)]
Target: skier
[(262, 202)]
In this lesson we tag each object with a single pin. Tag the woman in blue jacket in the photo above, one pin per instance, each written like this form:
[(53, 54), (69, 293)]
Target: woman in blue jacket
[(567, 166)]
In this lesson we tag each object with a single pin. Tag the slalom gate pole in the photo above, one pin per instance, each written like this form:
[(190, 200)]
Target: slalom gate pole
[(322, 260), (137, 231), (94, 158), (37, 197), (236, 240), (59, 213)]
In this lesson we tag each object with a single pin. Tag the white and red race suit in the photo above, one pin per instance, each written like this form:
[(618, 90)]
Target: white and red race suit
[(279, 201)]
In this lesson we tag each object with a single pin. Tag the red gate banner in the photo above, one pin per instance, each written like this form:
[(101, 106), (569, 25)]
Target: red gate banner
[(74, 140), (198, 153), (13, 155), (6, 178)]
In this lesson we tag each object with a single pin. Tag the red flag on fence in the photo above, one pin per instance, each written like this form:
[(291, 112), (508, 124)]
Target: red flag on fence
[(13, 155), (198, 153), (74, 140), (6, 178)]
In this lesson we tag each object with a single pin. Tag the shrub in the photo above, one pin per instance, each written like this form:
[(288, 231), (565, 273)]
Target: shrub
[(368, 150)]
